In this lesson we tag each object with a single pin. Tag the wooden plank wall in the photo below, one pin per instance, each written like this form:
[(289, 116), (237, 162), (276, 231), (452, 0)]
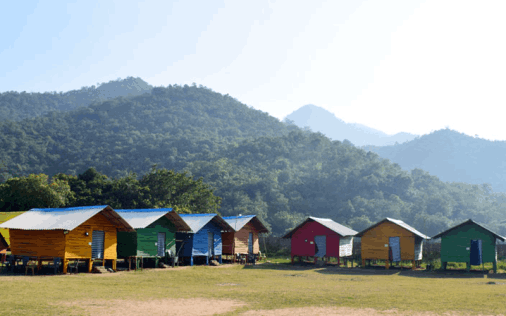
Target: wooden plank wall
[(241, 239), (50, 243), (228, 243), (5, 216), (78, 243), (375, 239)]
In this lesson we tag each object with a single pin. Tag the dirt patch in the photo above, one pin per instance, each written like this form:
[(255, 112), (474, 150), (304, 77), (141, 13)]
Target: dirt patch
[(196, 306), (337, 311)]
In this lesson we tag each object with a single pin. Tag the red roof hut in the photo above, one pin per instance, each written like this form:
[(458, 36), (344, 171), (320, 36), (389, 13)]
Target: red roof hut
[(321, 238)]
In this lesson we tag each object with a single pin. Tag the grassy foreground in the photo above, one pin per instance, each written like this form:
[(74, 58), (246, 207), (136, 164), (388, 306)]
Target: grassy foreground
[(266, 286)]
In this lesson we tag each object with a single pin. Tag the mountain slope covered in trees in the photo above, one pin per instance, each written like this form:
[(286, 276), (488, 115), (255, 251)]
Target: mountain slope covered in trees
[(452, 156), (17, 106), (255, 163)]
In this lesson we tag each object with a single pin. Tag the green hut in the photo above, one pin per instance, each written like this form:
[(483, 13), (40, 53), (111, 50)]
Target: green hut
[(155, 234), (469, 242)]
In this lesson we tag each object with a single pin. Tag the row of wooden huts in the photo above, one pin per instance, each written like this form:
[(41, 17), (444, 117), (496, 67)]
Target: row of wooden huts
[(101, 233), (392, 240)]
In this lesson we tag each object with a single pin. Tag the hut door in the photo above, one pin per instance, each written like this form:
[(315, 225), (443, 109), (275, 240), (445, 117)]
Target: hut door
[(476, 253), (97, 244), (395, 246), (161, 244), (210, 243), (250, 243), (320, 246)]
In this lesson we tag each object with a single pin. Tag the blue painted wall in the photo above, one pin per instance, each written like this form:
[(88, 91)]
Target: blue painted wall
[(196, 244)]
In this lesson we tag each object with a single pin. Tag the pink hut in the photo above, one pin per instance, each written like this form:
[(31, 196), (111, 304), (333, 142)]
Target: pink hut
[(321, 238)]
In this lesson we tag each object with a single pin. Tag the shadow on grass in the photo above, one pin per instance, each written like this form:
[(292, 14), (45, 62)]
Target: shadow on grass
[(377, 270)]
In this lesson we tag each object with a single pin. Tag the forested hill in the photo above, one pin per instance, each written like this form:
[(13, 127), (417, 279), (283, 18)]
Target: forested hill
[(452, 156), (168, 127), (17, 106), (257, 164)]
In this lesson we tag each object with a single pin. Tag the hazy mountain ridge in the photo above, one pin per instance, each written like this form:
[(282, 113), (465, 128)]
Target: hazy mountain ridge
[(325, 122), (452, 156)]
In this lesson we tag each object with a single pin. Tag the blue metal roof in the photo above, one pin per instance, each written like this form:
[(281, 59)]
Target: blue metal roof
[(197, 221)]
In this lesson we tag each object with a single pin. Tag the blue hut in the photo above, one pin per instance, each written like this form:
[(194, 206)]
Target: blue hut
[(205, 238)]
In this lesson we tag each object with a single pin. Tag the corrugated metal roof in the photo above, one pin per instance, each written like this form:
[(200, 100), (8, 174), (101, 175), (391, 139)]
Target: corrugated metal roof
[(338, 228), (238, 222), (397, 222), (327, 222), (63, 218), (197, 221), (470, 221), (142, 218)]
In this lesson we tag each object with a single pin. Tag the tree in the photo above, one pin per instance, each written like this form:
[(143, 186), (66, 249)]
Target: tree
[(33, 191), (166, 188)]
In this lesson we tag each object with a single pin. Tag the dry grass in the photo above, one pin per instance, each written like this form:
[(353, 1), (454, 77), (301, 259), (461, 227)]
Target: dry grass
[(261, 288)]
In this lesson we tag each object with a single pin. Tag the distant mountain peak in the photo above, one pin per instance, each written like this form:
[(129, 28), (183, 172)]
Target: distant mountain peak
[(326, 122)]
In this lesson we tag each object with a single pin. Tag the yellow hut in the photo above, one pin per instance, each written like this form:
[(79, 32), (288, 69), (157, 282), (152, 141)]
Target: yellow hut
[(391, 240), (78, 233)]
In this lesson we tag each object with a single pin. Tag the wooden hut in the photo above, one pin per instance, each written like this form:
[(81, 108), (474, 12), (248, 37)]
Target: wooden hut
[(76, 233), (391, 240), (244, 239), (154, 236), (469, 242), (205, 238), (321, 238)]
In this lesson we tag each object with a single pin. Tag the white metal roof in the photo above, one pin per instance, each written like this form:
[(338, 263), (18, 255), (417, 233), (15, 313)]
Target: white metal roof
[(238, 222), (197, 221), (327, 222), (61, 218), (141, 219), (397, 222)]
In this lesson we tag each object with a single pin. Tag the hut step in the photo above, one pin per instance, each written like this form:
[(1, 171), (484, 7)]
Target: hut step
[(100, 269)]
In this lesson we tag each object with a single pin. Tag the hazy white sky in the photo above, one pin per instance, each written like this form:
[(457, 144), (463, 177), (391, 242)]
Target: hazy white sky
[(412, 66)]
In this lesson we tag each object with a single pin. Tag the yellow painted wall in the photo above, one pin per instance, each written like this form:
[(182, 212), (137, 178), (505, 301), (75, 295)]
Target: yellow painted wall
[(50, 243), (374, 240), (78, 243)]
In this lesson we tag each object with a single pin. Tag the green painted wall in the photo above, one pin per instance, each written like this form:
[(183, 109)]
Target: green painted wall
[(455, 243), (143, 242)]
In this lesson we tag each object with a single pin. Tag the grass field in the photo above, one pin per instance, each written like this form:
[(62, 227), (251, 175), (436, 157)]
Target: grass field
[(260, 287)]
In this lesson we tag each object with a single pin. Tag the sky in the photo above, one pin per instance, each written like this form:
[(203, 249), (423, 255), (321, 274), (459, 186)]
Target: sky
[(397, 66)]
